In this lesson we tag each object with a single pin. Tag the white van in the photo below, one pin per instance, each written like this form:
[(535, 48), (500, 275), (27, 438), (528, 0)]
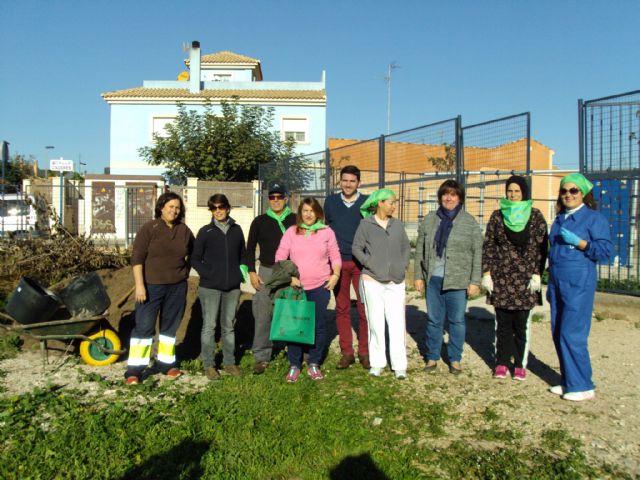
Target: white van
[(17, 213)]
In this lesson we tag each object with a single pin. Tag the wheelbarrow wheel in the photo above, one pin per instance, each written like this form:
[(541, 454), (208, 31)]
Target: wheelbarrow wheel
[(92, 355)]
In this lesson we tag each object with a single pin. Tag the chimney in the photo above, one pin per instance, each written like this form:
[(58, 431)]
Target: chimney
[(194, 67)]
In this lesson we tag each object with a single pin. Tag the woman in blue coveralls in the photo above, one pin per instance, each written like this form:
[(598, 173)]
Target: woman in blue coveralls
[(579, 238)]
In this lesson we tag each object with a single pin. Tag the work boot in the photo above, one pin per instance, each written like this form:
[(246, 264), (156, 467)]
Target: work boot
[(260, 367), (364, 361), (212, 373), (233, 370), (345, 361)]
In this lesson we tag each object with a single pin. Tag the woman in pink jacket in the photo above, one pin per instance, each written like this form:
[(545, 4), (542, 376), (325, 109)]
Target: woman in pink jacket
[(313, 247)]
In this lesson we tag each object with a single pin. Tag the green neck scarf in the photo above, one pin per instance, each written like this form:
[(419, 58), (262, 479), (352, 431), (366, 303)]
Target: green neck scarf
[(279, 218), (312, 228), (515, 214)]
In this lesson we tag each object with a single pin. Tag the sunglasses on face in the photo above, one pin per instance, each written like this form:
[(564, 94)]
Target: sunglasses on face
[(572, 191), (218, 207), (276, 197)]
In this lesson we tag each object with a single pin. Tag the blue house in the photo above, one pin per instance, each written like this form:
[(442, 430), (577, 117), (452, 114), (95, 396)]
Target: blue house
[(138, 113)]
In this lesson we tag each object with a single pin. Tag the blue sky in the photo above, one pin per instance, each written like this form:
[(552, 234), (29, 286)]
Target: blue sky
[(478, 59)]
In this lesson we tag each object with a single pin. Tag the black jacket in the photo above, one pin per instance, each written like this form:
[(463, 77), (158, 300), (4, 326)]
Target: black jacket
[(217, 256)]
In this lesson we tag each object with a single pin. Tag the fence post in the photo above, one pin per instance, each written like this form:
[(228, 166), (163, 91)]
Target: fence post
[(459, 150), (126, 216), (528, 143), (327, 173), (581, 162), (381, 166), (481, 200), (420, 196)]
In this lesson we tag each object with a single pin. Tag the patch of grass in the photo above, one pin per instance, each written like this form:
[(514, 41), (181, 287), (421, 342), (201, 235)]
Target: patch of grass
[(261, 427), (10, 345), (494, 434), (192, 367), (537, 317), (598, 316), (490, 415), (631, 285)]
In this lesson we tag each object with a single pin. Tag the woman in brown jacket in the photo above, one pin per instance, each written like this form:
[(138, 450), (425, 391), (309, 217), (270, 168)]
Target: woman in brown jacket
[(513, 258)]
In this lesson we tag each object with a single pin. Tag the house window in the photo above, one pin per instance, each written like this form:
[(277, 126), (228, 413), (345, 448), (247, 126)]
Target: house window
[(159, 125), (296, 129), (221, 77)]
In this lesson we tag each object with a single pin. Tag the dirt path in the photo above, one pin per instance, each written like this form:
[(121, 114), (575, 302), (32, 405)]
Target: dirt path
[(609, 427)]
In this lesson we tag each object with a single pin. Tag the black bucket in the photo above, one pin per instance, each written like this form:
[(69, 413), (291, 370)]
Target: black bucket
[(31, 303), (85, 296)]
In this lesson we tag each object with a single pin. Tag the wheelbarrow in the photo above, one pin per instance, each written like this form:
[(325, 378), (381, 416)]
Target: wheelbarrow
[(87, 302), (97, 347)]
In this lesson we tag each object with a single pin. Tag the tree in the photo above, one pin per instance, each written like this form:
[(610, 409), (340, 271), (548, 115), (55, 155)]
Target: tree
[(225, 147), (18, 168), (446, 163)]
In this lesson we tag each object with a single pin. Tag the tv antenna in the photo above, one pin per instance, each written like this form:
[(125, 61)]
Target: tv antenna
[(387, 78)]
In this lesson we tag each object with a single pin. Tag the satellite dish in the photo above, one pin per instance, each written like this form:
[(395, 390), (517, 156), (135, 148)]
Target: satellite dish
[(183, 76)]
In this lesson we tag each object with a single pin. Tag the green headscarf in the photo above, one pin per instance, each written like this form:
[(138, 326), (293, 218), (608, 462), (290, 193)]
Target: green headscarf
[(579, 181), (515, 214), (279, 218), (312, 228), (371, 203)]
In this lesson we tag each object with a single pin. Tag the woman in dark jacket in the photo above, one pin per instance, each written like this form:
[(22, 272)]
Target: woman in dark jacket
[(513, 258), (219, 258)]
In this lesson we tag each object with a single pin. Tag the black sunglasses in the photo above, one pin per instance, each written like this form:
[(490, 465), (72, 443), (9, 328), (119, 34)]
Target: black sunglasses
[(572, 191), (276, 197), (219, 207)]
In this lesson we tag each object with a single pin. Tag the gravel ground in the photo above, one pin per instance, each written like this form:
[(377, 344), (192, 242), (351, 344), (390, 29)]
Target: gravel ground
[(609, 426)]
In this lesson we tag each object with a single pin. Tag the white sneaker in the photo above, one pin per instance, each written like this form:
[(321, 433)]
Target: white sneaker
[(375, 372), (557, 390), (580, 396), (401, 374)]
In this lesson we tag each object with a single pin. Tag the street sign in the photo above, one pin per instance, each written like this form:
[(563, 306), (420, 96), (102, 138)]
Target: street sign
[(61, 165)]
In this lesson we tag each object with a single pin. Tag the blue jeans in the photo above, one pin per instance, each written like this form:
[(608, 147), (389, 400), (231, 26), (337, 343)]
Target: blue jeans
[(295, 351), (211, 300), (441, 304)]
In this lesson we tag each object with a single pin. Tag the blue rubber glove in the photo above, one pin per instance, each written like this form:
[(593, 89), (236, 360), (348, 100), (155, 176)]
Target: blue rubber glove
[(245, 272), (569, 237)]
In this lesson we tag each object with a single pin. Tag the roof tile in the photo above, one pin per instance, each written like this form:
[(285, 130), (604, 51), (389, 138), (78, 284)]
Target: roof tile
[(184, 93)]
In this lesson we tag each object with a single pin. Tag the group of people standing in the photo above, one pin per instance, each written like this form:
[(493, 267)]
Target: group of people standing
[(354, 244)]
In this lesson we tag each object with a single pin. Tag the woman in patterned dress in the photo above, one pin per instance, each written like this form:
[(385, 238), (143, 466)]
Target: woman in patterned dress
[(513, 258)]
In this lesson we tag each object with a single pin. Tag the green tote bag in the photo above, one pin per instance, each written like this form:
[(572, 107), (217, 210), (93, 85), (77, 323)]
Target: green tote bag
[(294, 319)]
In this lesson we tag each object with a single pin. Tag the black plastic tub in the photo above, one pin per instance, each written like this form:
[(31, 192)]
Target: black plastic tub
[(86, 296), (31, 302)]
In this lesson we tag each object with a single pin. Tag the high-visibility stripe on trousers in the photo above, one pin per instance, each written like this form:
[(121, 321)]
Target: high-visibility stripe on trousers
[(166, 349), (140, 352)]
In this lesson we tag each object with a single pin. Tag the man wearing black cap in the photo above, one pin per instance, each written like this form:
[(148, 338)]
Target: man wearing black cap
[(265, 233)]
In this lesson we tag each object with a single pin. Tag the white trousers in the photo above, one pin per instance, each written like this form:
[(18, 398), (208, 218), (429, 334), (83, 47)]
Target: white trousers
[(385, 301)]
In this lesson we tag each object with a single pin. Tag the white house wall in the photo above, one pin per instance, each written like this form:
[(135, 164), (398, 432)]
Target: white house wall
[(131, 129)]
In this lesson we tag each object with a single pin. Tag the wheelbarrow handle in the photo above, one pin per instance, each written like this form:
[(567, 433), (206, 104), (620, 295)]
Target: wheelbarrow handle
[(124, 298)]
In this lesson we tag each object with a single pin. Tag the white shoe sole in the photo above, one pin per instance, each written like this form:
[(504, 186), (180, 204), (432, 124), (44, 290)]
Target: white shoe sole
[(579, 396), (557, 390)]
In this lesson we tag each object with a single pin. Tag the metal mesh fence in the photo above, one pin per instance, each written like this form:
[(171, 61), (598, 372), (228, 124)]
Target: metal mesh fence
[(491, 152), (610, 129)]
